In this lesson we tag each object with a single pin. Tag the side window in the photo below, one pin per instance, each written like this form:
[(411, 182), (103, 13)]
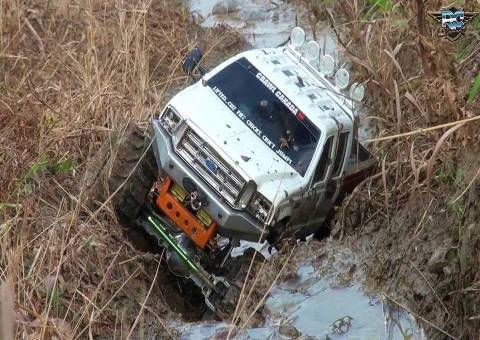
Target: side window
[(322, 166), (342, 147)]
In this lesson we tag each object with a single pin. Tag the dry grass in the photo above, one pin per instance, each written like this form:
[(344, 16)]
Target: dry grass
[(73, 72)]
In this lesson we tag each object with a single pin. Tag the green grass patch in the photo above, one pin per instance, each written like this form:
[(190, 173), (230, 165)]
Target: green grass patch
[(476, 23), (9, 206), (382, 5), (457, 207), (41, 167), (474, 90), (463, 51)]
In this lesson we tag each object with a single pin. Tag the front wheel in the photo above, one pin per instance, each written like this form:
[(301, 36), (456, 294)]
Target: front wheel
[(133, 175)]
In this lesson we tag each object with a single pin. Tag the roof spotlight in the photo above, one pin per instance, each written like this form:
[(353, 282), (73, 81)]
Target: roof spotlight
[(297, 37), (342, 78), (312, 50), (357, 92), (327, 65)]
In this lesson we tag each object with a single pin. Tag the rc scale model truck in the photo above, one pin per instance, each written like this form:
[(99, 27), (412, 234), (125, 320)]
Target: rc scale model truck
[(259, 148)]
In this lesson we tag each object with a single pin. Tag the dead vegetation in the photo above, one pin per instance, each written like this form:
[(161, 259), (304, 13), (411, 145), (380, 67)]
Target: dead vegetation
[(71, 73), (416, 220)]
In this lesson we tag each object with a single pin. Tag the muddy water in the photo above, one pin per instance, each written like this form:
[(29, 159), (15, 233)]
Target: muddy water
[(263, 23), (314, 303), (310, 305)]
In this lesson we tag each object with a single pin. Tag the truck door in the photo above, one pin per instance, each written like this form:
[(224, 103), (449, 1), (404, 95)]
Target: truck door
[(320, 180), (334, 184), (305, 218)]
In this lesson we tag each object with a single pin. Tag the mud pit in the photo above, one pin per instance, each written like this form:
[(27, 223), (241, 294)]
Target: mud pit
[(321, 297)]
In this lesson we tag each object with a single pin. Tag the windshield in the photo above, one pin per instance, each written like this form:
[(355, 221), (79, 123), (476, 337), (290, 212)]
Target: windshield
[(263, 108)]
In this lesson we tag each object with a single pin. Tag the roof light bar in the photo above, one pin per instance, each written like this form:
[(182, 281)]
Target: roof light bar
[(310, 54), (357, 92), (342, 78)]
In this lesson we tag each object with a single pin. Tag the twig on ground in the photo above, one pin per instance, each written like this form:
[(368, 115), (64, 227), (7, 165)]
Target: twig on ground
[(468, 187), (7, 313), (431, 287), (431, 324), (144, 301), (108, 302), (37, 37), (260, 303), (420, 131), (160, 320), (416, 232)]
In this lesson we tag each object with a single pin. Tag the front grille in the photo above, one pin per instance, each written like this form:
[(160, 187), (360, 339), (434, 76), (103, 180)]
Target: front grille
[(208, 164)]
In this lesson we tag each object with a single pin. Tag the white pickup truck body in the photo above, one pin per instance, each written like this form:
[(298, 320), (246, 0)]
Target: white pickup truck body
[(299, 192)]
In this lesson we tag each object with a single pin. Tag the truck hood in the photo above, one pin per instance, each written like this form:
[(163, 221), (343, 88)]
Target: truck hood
[(235, 142)]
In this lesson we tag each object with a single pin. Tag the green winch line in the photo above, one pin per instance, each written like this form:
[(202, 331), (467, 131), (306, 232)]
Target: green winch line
[(178, 250), (172, 243)]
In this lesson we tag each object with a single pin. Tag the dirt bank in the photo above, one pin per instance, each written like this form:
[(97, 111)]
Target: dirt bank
[(424, 254), (415, 223)]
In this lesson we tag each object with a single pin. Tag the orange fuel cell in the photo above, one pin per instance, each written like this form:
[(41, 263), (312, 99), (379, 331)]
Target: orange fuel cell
[(195, 229)]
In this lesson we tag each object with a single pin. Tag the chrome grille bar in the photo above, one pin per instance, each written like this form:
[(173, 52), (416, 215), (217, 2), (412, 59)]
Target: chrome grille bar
[(197, 153)]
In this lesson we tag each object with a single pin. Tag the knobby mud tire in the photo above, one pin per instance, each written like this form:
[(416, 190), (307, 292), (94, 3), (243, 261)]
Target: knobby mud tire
[(132, 176), (125, 162)]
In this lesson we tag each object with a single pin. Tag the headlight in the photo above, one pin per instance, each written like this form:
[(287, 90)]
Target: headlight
[(246, 195), (170, 120), (259, 207)]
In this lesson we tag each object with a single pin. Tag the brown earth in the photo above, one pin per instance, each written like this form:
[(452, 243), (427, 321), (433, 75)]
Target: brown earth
[(415, 223), (424, 254)]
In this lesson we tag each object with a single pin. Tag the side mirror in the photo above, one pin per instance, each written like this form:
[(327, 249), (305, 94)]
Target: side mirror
[(192, 61)]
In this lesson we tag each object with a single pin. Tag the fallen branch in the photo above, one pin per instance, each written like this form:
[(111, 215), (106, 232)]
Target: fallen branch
[(430, 286), (142, 307), (36, 36), (468, 187), (420, 131), (389, 298)]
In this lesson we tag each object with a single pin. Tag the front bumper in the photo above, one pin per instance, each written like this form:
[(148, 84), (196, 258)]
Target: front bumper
[(231, 223)]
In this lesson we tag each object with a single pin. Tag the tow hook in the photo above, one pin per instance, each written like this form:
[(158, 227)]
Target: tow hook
[(213, 299)]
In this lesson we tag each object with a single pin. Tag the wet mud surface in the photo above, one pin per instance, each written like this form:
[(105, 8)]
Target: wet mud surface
[(321, 297)]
